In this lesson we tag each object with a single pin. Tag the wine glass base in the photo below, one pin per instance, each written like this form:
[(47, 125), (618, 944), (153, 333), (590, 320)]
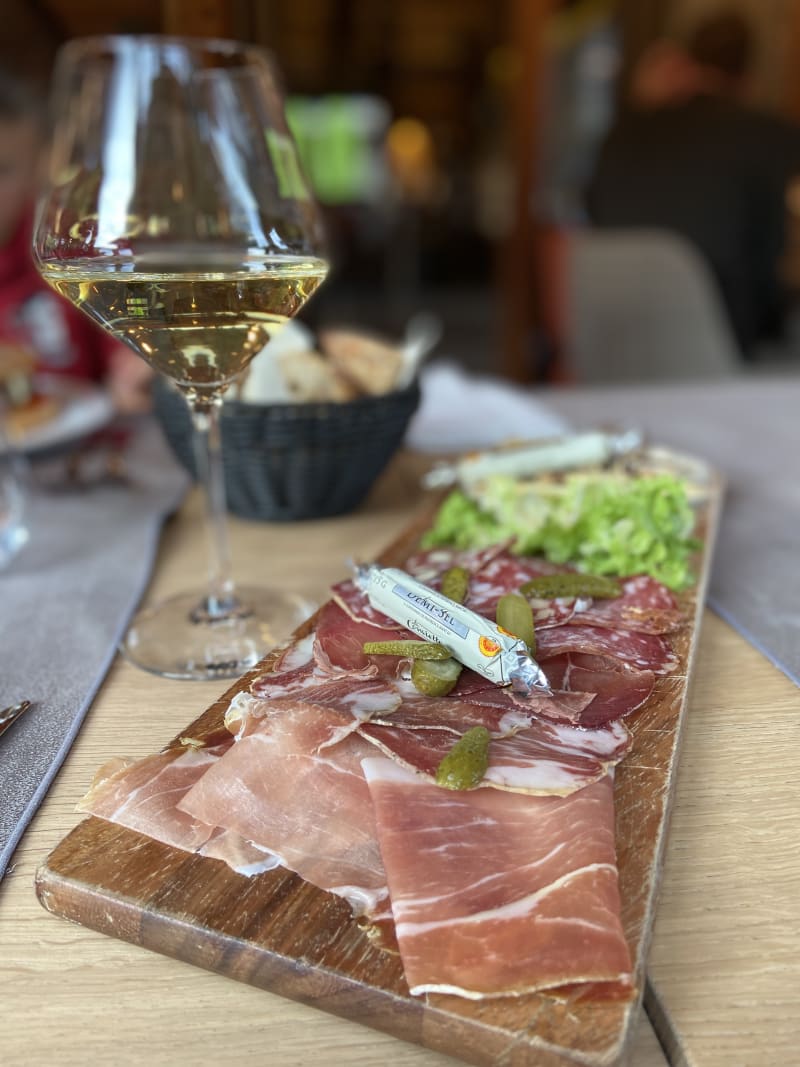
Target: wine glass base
[(178, 638)]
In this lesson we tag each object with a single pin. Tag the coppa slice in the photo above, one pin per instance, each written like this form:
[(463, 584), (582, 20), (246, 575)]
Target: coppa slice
[(638, 650), (340, 639), (646, 606), (562, 706), (292, 783), (419, 712), (494, 893), (543, 758), (359, 698), (618, 690)]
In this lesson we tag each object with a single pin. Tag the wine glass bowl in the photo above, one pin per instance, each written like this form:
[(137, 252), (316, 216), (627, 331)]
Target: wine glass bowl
[(176, 216)]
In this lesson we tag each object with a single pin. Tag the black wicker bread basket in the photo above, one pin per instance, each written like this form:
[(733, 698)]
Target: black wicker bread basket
[(296, 461)]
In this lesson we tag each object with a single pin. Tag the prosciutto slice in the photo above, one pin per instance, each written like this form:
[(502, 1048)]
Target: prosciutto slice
[(514, 893), (143, 795), (543, 758), (292, 784)]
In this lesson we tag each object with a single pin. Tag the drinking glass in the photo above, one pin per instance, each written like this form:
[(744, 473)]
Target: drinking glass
[(175, 215)]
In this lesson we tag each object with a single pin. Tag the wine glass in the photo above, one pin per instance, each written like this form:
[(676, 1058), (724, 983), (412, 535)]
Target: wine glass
[(175, 215)]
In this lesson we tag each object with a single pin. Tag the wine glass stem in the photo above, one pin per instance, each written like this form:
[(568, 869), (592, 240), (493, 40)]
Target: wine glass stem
[(211, 476)]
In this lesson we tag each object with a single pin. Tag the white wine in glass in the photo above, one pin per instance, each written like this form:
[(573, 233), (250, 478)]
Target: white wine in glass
[(176, 216)]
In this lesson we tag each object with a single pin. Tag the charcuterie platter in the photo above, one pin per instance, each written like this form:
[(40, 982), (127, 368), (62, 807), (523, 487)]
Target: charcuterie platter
[(216, 888)]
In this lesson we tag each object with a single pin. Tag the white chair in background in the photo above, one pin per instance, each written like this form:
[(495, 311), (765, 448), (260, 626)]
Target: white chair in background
[(642, 306)]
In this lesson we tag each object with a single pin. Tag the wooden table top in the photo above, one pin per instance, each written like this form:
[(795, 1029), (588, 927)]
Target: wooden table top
[(724, 962)]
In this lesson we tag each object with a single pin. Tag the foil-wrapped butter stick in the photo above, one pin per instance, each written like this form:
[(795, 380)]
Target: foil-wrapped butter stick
[(534, 457), (472, 640)]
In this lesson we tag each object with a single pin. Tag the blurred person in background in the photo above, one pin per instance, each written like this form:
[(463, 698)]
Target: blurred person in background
[(32, 316), (688, 154)]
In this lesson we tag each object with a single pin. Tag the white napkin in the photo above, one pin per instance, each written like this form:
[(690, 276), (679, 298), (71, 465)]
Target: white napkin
[(460, 411)]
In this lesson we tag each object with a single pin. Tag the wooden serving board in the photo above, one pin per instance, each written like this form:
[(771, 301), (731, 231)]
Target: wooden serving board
[(277, 932)]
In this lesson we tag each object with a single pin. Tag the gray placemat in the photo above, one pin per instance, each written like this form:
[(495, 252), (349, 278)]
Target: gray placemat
[(749, 429), (65, 601)]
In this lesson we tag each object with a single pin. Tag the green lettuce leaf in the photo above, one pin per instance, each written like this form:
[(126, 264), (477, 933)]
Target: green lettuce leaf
[(602, 524)]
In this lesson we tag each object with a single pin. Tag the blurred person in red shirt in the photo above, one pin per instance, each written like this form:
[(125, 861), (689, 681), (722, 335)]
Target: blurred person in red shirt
[(63, 340)]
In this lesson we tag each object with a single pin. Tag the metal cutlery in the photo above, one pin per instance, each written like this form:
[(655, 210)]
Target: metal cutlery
[(8, 716)]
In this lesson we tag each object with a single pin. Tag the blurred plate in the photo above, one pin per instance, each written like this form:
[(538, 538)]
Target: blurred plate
[(83, 409)]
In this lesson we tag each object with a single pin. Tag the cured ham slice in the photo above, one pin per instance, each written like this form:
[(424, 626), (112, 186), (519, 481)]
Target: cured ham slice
[(143, 795), (296, 654), (562, 706), (646, 606), (340, 639), (358, 698), (555, 758), (418, 712), (638, 650), (543, 758), (278, 683), (354, 603), (618, 689), (239, 854), (293, 785), (494, 893)]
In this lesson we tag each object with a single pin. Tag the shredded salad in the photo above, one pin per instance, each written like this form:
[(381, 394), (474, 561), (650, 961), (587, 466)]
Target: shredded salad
[(601, 523)]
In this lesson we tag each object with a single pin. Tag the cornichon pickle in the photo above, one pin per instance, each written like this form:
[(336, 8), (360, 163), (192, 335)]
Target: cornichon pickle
[(435, 678), (455, 583), (515, 616), (412, 649), (549, 586), (465, 764)]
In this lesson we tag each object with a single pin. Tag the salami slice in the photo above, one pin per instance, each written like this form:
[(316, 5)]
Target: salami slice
[(503, 574), (428, 565)]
